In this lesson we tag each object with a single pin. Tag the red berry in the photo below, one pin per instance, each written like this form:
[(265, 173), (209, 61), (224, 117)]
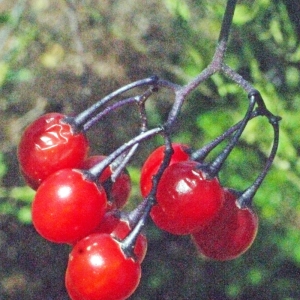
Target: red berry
[(166, 222), (67, 207), (186, 198), (48, 145), (117, 192), (230, 234), (108, 223), (98, 269), (154, 161)]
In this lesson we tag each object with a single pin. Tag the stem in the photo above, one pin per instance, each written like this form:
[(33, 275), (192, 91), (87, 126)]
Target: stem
[(117, 167), (139, 216), (168, 85), (83, 117), (245, 199), (142, 109), (123, 162), (134, 215), (129, 241), (225, 30), (140, 99), (219, 55), (233, 75), (200, 155), (94, 172), (215, 167), (106, 111)]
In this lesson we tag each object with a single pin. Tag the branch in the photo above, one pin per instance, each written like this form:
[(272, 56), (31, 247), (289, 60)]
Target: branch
[(218, 58), (215, 65)]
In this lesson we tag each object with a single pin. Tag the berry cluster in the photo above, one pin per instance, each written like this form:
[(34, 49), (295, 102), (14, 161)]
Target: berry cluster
[(80, 198)]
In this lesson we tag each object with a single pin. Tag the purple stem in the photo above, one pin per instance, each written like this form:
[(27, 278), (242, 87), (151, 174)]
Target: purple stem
[(83, 117), (106, 111), (139, 216), (246, 197), (216, 165), (200, 155), (94, 172)]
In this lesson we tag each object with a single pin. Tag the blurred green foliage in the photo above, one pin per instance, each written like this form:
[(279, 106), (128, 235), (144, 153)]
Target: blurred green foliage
[(56, 56), (16, 200)]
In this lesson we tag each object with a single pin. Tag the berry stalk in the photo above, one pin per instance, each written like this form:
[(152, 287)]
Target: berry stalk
[(215, 166)]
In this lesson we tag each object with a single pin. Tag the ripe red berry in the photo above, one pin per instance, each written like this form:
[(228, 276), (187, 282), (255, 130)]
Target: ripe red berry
[(98, 269), (167, 222), (48, 145), (154, 161), (67, 207), (117, 192), (230, 234), (186, 199), (109, 222)]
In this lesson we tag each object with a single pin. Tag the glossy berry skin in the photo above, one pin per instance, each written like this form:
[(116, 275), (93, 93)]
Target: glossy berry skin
[(98, 269), (230, 234), (118, 192), (154, 160), (48, 145), (169, 223), (67, 207), (186, 198), (109, 222)]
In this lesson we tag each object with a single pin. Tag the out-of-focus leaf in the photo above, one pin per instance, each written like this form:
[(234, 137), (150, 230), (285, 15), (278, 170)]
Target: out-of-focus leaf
[(22, 193), (3, 167)]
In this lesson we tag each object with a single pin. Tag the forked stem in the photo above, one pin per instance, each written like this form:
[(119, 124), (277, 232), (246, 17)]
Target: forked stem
[(94, 172), (201, 154), (246, 197), (81, 119), (215, 166)]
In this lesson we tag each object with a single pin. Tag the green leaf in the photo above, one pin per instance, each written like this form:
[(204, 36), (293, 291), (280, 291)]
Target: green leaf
[(23, 194)]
